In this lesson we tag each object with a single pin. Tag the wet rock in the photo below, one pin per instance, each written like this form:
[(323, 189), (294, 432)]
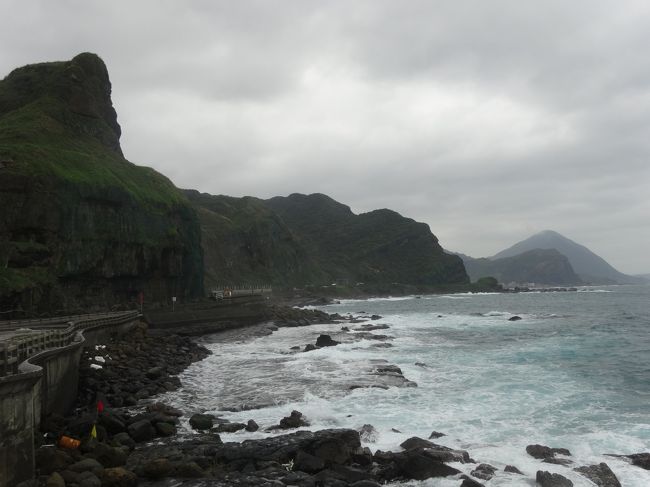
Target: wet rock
[(109, 456), (375, 317), (309, 347), (157, 468), (154, 373), (52, 459), (600, 474), (419, 466), (230, 427), (112, 423), (202, 421), (512, 469), (165, 429), (55, 480), (484, 471), (89, 479), (548, 479), (641, 460), (252, 426), (141, 431), (305, 462), (415, 442), (436, 434), (159, 407), (188, 470), (118, 477), (326, 341), (295, 420), (470, 482), (542, 452), (514, 318), (123, 439), (365, 483), (87, 465)]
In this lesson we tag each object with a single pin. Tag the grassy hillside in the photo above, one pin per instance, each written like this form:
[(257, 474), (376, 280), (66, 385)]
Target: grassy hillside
[(80, 224), (376, 247)]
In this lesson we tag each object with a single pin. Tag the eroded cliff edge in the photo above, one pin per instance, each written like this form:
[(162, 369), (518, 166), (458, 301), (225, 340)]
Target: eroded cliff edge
[(80, 225)]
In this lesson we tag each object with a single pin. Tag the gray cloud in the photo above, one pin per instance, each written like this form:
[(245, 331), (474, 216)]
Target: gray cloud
[(487, 120)]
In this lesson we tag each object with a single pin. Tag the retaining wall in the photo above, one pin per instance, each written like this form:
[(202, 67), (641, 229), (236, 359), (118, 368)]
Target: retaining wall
[(46, 383)]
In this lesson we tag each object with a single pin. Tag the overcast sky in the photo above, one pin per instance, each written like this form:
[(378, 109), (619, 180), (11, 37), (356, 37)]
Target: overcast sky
[(488, 120)]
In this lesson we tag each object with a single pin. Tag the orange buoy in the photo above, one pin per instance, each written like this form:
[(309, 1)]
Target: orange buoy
[(70, 443)]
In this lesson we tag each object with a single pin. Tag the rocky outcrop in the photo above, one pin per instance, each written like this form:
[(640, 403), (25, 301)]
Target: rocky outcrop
[(600, 474), (80, 225)]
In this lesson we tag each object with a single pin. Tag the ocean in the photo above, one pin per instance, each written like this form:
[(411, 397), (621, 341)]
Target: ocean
[(574, 373)]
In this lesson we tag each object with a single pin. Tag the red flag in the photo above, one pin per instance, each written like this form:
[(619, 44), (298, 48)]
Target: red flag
[(100, 406)]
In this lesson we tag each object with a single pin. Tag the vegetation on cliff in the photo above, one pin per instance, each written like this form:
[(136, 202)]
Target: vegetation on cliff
[(378, 247), (80, 225)]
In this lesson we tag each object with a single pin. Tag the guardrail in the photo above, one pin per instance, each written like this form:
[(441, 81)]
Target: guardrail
[(18, 348)]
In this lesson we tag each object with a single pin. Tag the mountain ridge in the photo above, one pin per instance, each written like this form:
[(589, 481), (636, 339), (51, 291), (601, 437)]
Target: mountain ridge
[(589, 266)]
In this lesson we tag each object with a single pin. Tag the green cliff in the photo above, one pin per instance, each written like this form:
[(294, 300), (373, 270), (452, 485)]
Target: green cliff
[(380, 246), (80, 225), (244, 243)]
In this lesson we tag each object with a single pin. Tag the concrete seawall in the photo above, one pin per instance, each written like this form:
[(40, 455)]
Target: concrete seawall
[(46, 383)]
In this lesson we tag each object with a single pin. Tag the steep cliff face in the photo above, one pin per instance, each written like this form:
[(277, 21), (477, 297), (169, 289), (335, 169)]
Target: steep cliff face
[(376, 247), (81, 226), (245, 243)]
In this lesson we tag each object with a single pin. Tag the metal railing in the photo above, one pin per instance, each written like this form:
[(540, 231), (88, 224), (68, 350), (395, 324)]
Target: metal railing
[(48, 334)]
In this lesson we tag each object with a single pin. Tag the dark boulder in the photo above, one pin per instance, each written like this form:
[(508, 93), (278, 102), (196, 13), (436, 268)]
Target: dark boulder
[(416, 465), (165, 429), (326, 341), (295, 420), (514, 318), (415, 442), (484, 471), (157, 468), (109, 456), (142, 431), (118, 477), (50, 459), (201, 421), (306, 462), (252, 426), (309, 347), (470, 482), (548, 479), (600, 474), (512, 469), (542, 452), (230, 427)]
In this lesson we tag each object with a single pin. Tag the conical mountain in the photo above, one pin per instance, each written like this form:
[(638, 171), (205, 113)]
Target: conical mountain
[(590, 267)]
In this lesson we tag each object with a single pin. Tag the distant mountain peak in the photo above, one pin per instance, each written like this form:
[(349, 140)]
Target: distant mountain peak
[(589, 266)]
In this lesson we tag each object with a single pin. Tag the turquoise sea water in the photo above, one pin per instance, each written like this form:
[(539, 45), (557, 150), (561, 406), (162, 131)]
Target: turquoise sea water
[(574, 372)]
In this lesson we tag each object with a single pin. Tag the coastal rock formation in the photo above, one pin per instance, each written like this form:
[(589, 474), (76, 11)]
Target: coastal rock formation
[(80, 225), (600, 474), (548, 479)]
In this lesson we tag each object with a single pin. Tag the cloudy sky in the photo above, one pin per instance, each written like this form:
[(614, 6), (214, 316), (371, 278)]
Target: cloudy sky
[(488, 120)]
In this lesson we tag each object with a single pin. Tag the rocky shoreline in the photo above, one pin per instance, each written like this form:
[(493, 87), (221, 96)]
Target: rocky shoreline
[(136, 442)]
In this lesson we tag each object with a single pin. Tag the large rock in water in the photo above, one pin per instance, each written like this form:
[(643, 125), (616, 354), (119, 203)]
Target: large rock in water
[(547, 479), (81, 226), (600, 474)]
